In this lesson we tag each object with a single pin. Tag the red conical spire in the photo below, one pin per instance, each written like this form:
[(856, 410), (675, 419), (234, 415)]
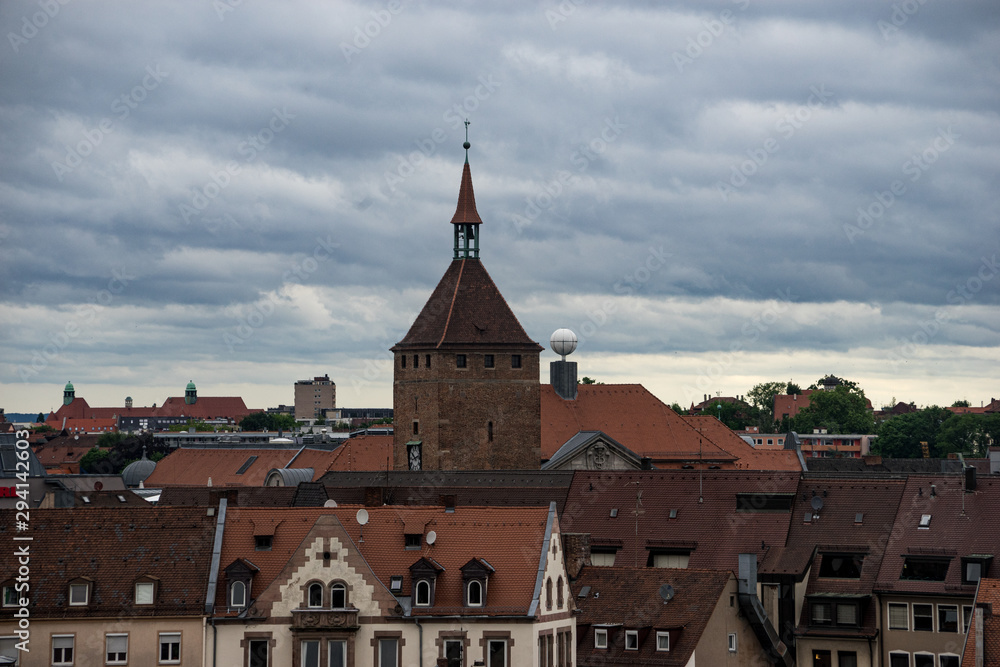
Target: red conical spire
[(466, 212)]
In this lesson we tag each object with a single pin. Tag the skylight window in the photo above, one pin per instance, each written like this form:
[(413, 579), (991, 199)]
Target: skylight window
[(925, 521), (246, 466)]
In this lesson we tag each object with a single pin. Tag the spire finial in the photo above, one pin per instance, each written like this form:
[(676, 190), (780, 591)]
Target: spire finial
[(466, 145)]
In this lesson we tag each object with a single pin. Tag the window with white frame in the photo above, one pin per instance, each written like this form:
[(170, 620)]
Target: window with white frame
[(631, 640), (496, 653), (923, 617), (923, 660), (732, 642), (8, 649), (475, 593), (422, 593), (116, 649), (238, 594), (170, 648), (602, 557), (899, 614), (338, 596), (62, 649), (9, 596), (79, 594), (144, 592), (315, 595), (600, 638), (899, 659), (662, 641)]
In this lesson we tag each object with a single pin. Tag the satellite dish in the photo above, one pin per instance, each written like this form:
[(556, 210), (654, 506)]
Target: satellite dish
[(98, 486), (432, 537), (362, 516), (667, 592), (817, 503), (330, 503)]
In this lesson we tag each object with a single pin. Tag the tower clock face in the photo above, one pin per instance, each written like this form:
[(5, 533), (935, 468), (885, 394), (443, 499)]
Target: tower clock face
[(414, 457)]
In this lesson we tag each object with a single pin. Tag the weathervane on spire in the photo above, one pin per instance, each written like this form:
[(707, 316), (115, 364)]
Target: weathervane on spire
[(466, 145)]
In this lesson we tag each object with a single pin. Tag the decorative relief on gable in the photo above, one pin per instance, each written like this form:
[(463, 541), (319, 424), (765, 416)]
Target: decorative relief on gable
[(599, 456)]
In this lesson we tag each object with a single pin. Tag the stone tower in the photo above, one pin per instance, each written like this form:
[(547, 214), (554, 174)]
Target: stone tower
[(465, 380)]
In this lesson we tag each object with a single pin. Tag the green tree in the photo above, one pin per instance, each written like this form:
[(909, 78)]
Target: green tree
[(261, 421), (792, 388), (678, 409), (92, 461), (40, 419), (587, 380), (900, 437), (961, 404), (110, 439), (841, 410), (762, 398)]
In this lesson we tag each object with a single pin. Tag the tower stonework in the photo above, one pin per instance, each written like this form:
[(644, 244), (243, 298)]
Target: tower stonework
[(466, 393)]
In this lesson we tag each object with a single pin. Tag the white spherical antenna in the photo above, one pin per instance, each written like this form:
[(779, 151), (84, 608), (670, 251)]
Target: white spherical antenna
[(362, 516), (432, 537), (330, 503), (563, 342)]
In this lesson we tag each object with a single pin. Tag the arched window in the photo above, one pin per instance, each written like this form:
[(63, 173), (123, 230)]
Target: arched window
[(238, 594), (548, 593), (559, 593), (475, 593), (338, 596), (315, 595), (422, 593)]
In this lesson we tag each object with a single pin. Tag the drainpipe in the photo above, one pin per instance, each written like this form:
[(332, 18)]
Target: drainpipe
[(420, 630), (215, 641)]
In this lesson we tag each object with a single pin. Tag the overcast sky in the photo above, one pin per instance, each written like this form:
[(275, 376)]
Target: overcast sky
[(711, 195)]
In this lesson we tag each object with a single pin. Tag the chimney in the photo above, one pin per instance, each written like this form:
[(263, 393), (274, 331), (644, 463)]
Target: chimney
[(562, 375), (970, 478), (748, 574), (576, 549), (645, 463)]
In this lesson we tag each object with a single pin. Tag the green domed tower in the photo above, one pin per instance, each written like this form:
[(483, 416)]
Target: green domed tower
[(69, 393), (190, 394)]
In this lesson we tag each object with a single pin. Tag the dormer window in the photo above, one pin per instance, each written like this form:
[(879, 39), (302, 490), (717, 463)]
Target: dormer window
[(474, 593), (422, 593), (79, 593), (475, 575), (238, 595), (145, 592)]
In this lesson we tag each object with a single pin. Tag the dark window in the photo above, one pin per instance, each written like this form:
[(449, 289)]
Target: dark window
[(924, 569), (764, 502), (310, 654), (841, 566), (973, 569), (402, 360), (416, 361), (416, 427), (923, 660), (821, 659), (423, 593), (489, 431), (515, 361), (338, 596), (923, 617), (847, 659), (413, 540), (315, 595), (263, 542), (947, 618), (948, 660), (427, 360), (258, 652), (475, 593), (246, 465), (460, 360), (488, 360), (822, 613), (899, 660)]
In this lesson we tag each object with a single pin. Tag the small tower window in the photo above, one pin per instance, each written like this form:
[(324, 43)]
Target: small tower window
[(548, 594), (489, 431), (416, 361), (402, 360), (416, 427), (460, 361), (427, 361), (515, 361), (488, 360)]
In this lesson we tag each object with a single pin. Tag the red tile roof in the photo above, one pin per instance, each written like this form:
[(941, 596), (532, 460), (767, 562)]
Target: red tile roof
[(630, 598), (790, 404), (466, 211), (630, 414), (363, 452), (466, 308), (52, 455), (713, 529), (750, 458), (194, 466), (114, 547), (988, 596), (510, 539), (206, 407), (961, 524)]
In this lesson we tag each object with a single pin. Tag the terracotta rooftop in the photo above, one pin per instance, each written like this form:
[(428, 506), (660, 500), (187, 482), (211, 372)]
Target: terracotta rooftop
[(363, 452), (959, 524), (714, 530), (630, 414), (749, 457), (113, 548), (206, 407), (466, 308), (509, 539), (629, 598), (231, 467), (988, 597)]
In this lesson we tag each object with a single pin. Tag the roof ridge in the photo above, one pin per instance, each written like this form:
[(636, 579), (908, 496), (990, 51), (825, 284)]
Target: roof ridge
[(451, 307)]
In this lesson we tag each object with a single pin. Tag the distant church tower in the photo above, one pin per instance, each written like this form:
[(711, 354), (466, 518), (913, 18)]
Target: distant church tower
[(69, 393), (466, 392), (190, 393)]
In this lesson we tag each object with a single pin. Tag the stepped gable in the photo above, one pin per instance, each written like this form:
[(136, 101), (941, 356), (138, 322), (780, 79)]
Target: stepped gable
[(466, 308)]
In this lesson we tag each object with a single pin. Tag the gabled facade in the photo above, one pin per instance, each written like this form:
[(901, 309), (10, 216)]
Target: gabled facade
[(312, 587)]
